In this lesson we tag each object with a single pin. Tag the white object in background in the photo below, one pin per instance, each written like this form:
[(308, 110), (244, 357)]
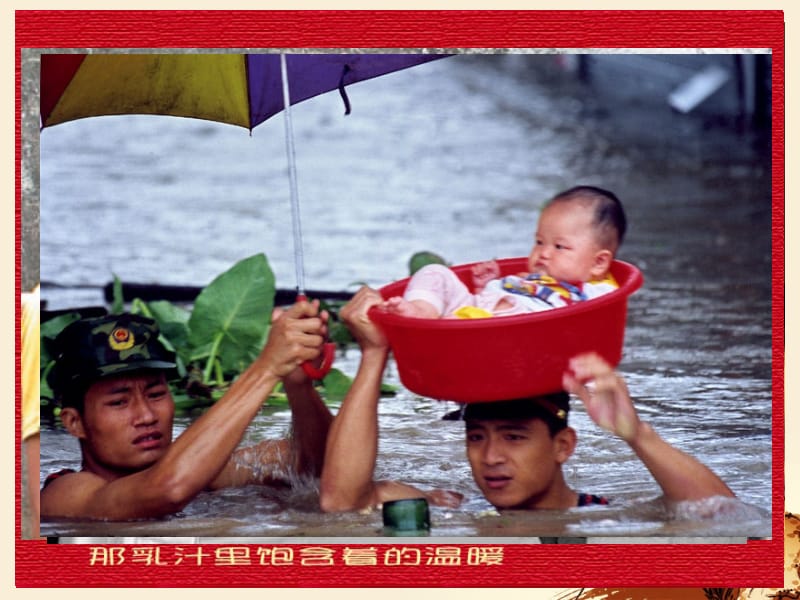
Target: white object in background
[(687, 96)]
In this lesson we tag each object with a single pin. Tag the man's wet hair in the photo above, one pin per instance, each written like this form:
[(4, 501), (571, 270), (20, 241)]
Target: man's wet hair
[(552, 409), (73, 396), (609, 216)]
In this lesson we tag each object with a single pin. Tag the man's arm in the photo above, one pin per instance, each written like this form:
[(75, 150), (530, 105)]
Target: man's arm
[(202, 451), (347, 478), (265, 463), (311, 421), (302, 454), (681, 477)]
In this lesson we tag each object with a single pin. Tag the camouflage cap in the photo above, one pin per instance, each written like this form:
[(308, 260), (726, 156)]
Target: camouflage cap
[(91, 348)]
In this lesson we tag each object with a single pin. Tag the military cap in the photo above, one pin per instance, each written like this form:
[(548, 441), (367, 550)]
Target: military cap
[(549, 406), (92, 348)]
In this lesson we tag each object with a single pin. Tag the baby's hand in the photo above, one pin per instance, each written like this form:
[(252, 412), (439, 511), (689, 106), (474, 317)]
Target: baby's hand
[(483, 273)]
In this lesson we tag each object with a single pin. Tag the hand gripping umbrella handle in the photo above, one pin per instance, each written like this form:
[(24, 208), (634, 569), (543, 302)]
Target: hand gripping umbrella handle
[(328, 351)]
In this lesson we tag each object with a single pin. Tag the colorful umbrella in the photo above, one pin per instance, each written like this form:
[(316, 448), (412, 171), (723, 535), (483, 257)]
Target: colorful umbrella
[(239, 89)]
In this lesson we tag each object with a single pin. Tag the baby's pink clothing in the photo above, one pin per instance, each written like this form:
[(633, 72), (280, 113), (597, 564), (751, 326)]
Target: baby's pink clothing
[(441, 287)]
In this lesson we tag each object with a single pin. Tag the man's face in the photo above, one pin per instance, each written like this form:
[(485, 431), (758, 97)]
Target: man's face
[(516, 463), (127, 422)]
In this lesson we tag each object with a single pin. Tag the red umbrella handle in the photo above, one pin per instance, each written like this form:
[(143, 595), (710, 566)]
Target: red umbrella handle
[(328, 352)]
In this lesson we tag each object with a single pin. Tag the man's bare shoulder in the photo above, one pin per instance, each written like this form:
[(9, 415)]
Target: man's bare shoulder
[(65, 494)]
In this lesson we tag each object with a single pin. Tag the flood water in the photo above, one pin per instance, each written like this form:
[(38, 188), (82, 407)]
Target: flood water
[(456, 157)]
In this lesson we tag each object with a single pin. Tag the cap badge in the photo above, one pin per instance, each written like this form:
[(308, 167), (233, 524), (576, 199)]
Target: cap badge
[(121, 338)]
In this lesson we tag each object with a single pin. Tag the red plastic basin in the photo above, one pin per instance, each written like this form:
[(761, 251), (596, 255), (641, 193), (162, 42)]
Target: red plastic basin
[(500, 358)]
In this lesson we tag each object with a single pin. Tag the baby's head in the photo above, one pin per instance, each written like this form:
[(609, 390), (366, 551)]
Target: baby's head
[(578, 234)]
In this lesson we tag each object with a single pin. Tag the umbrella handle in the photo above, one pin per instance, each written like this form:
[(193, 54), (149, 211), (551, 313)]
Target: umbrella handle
[(328, 352)]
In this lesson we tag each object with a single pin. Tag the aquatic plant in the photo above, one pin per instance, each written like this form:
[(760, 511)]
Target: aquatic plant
[(421, 259), (214, 340)]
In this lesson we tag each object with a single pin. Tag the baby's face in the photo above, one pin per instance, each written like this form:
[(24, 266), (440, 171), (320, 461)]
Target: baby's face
[(566, 246)]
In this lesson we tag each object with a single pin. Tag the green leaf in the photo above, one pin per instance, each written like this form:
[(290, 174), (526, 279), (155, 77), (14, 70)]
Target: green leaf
[(185, 403), (166, 312), (118, 299), (336, 385), (52, 327), (173, 326), (48, 331), (277, 399), (173, 322), (45, 391), (420, 259), (231, 316), (387, 389), (340, 334)]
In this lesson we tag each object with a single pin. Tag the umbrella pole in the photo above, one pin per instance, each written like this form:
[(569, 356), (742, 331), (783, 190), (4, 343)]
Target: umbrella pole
[(294, 200), (328, 348)]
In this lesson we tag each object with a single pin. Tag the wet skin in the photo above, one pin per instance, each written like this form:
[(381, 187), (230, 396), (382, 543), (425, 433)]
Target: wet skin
[(126, 424), (517, 464)]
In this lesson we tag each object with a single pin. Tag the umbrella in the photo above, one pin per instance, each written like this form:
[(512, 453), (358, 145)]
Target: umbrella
[(239, 89)]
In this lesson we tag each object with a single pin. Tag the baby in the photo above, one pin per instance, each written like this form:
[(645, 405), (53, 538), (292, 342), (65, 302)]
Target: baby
[(577, 237)]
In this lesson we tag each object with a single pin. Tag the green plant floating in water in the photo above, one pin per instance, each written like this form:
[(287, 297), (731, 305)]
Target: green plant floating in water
[(231, 318), (215, 340), (421, 259)]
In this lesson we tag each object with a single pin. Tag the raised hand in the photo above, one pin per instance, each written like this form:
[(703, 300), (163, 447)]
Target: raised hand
[(298, 376), (604, 393), (296, 335), (355, 316)]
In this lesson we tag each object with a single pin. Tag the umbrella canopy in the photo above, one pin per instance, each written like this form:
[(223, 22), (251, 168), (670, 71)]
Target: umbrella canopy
[(240, 89)]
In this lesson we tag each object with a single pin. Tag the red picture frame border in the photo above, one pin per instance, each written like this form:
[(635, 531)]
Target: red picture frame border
[(755, 564)]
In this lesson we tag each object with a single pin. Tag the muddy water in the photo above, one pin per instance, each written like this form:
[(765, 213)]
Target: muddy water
[(456, 157)]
